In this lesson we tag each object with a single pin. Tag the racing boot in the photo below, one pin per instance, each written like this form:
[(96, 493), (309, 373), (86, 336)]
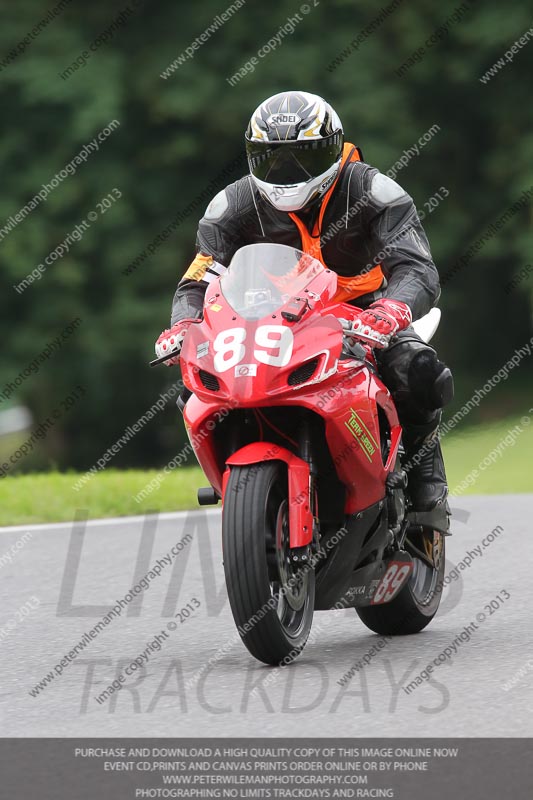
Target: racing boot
[(427, 487)]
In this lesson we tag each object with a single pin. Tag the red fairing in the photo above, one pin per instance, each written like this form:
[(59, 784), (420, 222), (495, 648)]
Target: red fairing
[(252, 359), (200, 421), (350, 408), (290, 357)]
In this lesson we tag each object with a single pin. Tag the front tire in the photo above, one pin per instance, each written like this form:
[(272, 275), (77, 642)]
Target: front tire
[(417, 603), (272, 602)]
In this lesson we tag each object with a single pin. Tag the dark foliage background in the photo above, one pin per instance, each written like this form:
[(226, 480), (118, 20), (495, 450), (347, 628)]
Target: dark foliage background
[(176, 135)]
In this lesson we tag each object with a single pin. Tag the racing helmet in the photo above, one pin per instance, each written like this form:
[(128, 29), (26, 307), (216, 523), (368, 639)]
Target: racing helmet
[(294, 144)]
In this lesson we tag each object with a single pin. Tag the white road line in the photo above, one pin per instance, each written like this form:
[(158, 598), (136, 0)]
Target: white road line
[(109, 521), (181, 514)]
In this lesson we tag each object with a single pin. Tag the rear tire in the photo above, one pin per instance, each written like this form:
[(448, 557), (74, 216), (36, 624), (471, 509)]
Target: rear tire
[(273, 624), (417, 603)]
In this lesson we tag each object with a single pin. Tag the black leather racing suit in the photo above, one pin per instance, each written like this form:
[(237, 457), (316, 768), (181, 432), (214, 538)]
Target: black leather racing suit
[(381, 224)]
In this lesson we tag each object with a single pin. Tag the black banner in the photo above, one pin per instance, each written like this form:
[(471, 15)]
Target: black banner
[(126, 769)]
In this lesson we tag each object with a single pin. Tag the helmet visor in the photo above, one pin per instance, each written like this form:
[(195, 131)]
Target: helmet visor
[(290, 162)]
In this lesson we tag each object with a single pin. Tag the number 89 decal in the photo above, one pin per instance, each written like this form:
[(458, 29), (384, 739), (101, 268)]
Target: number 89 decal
[(392, 582), (273, 346)]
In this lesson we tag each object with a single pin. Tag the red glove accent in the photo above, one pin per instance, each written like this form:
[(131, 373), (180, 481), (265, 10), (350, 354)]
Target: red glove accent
[(387, 316), (171, 340)]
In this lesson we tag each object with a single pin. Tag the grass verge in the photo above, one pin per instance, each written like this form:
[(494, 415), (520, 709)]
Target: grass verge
[(49, 497)]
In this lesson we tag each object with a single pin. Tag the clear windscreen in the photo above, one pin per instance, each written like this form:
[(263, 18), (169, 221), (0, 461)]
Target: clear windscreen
[(263, 277)]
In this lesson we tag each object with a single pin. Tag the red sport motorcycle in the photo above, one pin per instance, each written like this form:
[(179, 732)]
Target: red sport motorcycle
[(300, 439)]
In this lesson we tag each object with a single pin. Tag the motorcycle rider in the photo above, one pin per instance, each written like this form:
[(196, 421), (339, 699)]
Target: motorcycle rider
[(309, 189)]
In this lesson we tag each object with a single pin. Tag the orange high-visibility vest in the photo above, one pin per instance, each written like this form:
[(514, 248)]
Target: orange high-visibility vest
[(347, 288)]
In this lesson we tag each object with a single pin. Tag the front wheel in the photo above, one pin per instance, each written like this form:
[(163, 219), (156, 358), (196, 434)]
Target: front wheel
[(272, 600), (417, 603)]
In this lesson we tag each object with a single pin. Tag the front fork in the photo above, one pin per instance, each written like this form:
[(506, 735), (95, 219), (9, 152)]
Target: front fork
[(301, 518), (304, 554)]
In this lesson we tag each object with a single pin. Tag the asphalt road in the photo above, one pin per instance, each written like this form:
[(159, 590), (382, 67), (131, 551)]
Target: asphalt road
[(75, 575)]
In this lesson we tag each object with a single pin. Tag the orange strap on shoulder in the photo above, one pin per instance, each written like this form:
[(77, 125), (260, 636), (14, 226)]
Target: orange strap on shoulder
[(348, 288)]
